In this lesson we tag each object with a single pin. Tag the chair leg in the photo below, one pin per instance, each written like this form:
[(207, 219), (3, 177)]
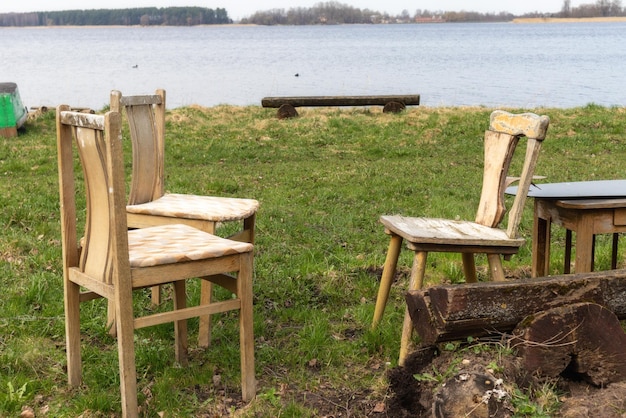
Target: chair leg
[(72, 332), (156, 295), (495, 265), (246, 327), (111, 318), (126, 352), (417, 281), (180, 327), (206, 287), (469, 267), (389, 271), (204, 331), (247, 233), (248, 226)]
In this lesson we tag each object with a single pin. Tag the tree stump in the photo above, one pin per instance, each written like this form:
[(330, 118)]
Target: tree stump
[(471, 394), (286, 111), (583, 340)]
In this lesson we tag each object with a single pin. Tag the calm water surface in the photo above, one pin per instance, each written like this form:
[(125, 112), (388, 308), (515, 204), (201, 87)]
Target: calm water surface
[(502, 64)]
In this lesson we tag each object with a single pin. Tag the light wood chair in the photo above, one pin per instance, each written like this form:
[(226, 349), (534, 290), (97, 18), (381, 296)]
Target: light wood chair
[(424, 235), (110, 261), (149, 205)]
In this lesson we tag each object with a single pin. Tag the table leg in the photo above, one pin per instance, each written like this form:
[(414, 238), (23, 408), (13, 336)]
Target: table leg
[(567, 263), (540, 244), (584, 245), (593, 251), (614, 251)]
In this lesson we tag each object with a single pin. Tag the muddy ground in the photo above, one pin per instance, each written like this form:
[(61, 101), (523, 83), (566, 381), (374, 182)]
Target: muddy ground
[(414, 398), (408, 397)]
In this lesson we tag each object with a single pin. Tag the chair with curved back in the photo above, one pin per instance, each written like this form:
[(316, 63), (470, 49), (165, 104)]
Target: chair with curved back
[(110, 261), (149, 205), (483, 236)]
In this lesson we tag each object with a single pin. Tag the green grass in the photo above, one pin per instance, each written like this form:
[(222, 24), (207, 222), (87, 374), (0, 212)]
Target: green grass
[(322, 180)]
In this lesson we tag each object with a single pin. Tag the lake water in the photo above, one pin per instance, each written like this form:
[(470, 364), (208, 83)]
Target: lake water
[(490, 64)]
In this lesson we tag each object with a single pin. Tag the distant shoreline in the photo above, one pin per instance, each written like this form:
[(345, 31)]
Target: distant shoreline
[(520, 20), (124, 26), (568, 20)]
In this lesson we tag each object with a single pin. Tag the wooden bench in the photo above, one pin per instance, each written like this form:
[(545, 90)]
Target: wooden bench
[(286, 105)]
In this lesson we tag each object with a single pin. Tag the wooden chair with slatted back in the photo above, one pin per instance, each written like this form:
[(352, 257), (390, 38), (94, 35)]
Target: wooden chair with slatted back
[(483, 236), (149, 205), (110, 261)]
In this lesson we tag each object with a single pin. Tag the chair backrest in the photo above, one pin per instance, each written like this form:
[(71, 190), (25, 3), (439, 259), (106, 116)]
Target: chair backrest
[(505, 130), (105, 240), (146, 121)]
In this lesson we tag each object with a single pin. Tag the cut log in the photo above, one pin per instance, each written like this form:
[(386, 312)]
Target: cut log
[(444, 313), (584, 339)]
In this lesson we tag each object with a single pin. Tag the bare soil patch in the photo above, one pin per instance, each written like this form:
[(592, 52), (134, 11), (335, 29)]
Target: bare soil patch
[(409, 397)]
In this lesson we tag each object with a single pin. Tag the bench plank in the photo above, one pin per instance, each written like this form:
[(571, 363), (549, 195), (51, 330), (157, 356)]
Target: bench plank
[(299, 101)]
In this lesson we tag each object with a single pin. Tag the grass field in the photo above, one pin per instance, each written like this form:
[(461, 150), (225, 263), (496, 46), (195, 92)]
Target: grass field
[(323, 180)]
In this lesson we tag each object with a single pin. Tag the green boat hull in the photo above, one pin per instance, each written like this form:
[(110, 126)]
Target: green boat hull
[(13, 113)]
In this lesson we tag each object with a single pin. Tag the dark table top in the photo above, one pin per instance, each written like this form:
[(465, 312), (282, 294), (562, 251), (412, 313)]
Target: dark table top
[(596, 189)]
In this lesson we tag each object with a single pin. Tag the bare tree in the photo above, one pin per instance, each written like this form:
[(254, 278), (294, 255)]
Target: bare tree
[(567, 8), (616, 8), (604, 6)]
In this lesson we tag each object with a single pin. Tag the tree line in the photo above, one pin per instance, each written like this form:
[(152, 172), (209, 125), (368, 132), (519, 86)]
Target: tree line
[(331, 12), (601, 8), (336, 13), (146, 16)]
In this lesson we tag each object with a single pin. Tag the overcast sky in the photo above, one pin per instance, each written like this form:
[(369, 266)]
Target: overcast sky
[(242, 8)]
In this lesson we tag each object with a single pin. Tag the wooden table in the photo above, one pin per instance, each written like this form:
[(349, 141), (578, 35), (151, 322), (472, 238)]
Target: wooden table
[(586, 208)]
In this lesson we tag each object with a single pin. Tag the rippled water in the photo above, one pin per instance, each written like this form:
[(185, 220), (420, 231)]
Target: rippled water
[(502, 64)]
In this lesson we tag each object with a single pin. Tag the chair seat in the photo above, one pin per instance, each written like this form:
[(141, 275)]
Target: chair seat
[(438, 231), (168, 244), (208, 208)]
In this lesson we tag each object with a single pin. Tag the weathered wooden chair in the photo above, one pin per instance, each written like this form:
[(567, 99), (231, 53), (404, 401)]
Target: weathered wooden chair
[(149, 205), (111, 261), (424, 235)]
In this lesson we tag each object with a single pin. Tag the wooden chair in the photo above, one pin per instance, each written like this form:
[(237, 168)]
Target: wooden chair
[(424, 235), (149, 205), (111, 261)]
